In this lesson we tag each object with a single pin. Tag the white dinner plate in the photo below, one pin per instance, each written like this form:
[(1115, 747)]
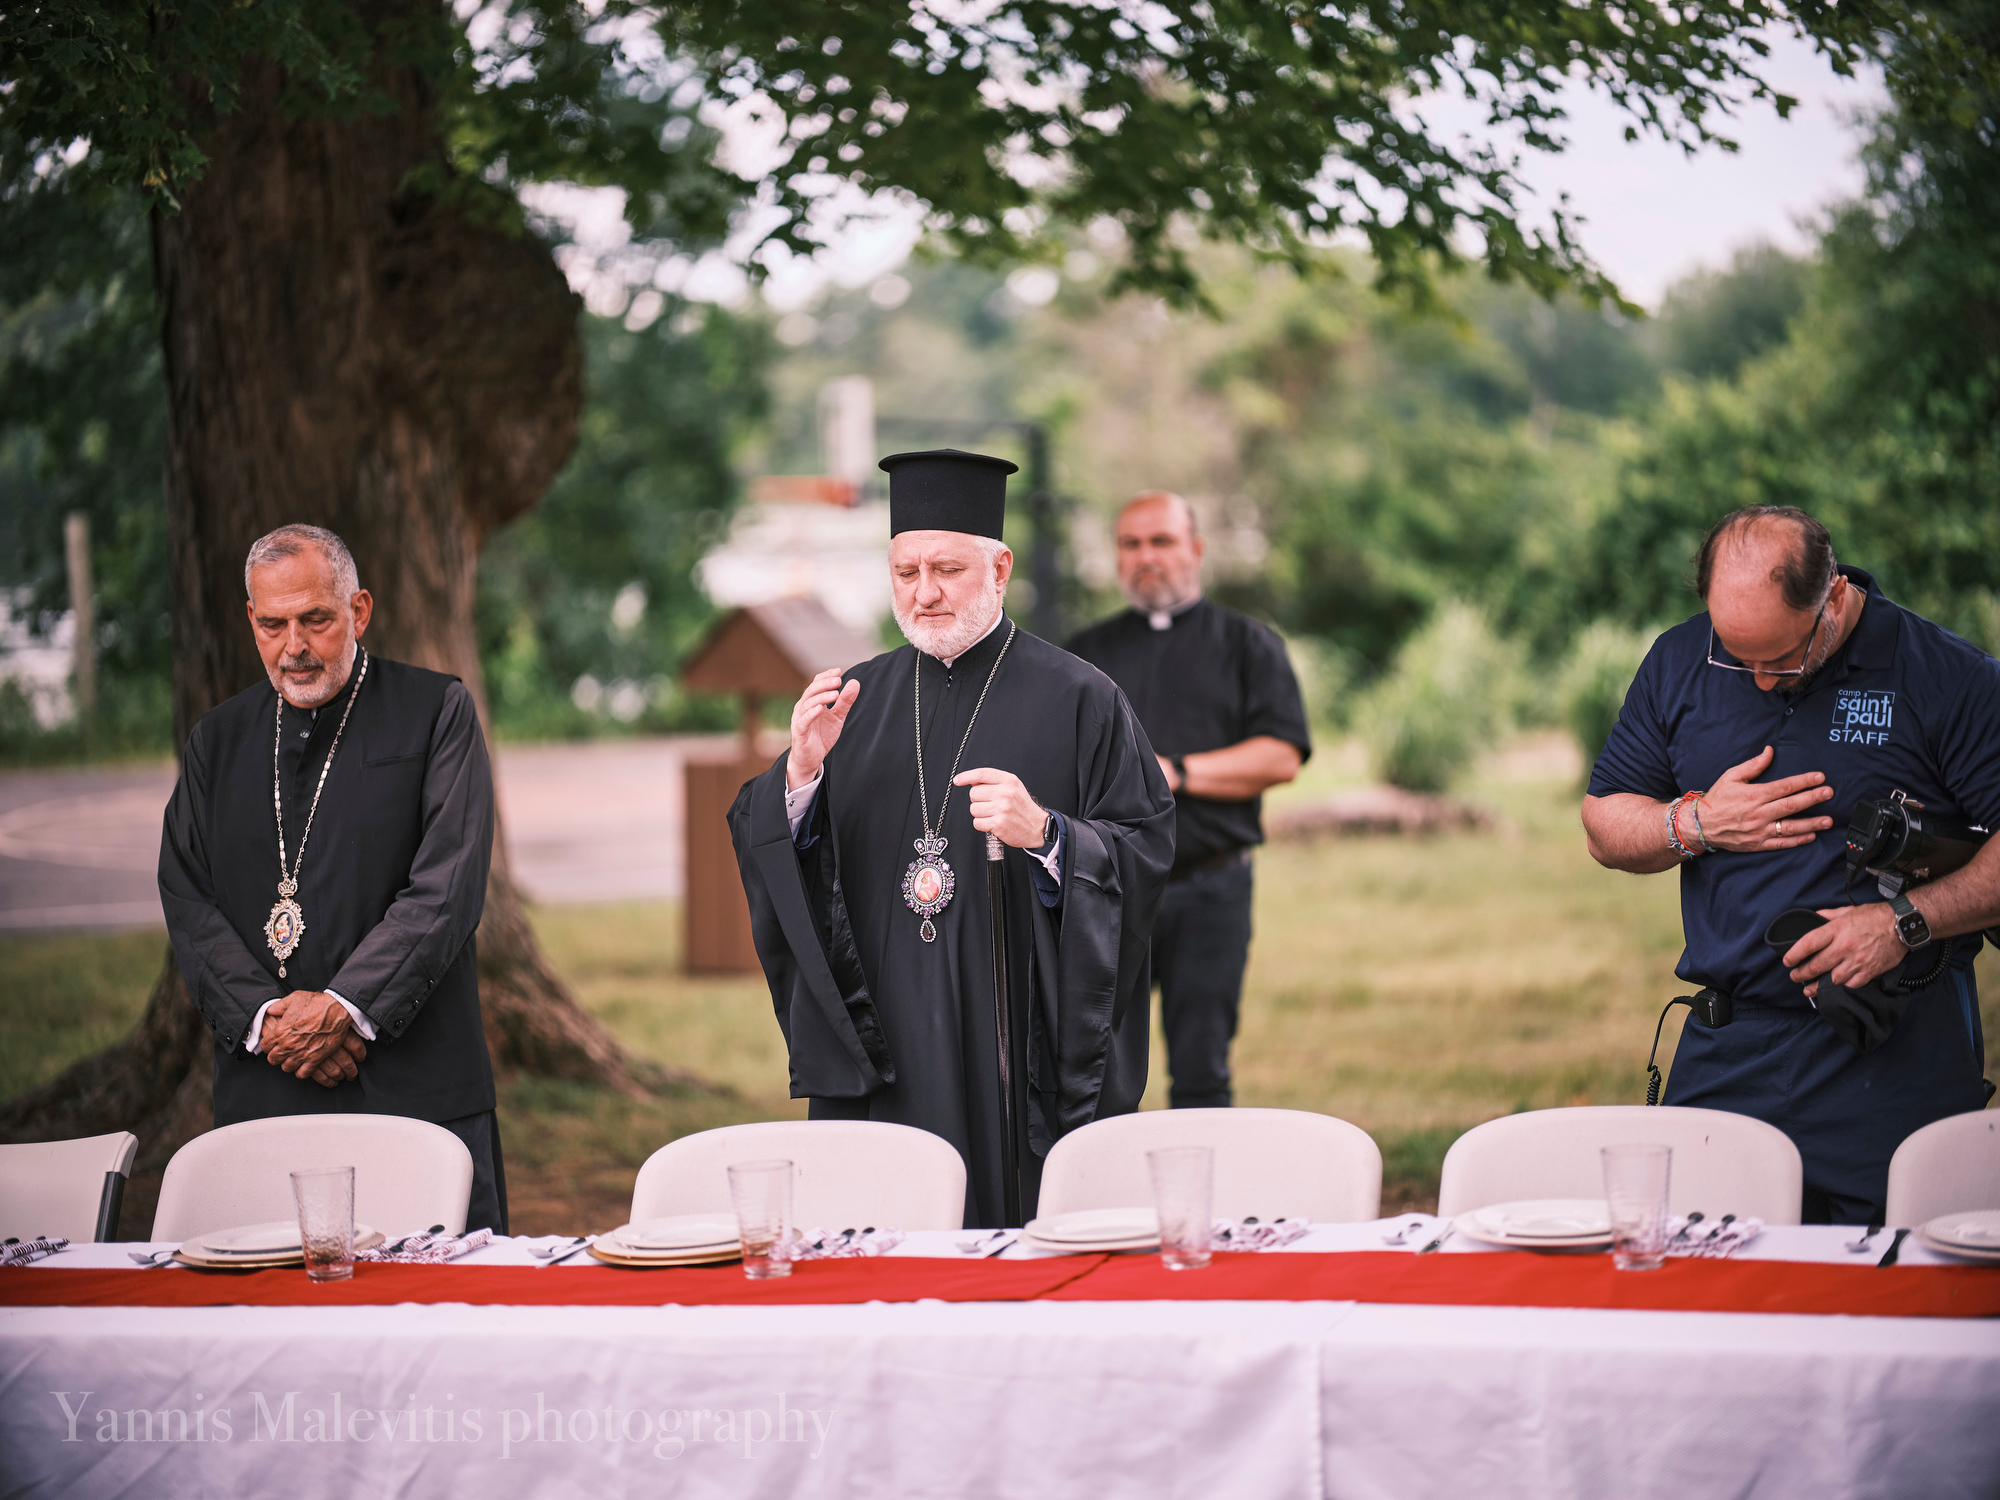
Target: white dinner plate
[(1096, 1247), (1977, 1231), (1095, 1228), (1957, 1252), (1551, 1223), (279, 1237), (680, 1232)]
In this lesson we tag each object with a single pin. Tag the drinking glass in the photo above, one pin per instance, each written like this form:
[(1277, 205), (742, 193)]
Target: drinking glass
[(1184, 1192), (1635, 1188), (325, 1197), (762, 1192)]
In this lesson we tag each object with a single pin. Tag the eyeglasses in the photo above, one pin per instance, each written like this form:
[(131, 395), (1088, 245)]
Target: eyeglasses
[(1799, 671)]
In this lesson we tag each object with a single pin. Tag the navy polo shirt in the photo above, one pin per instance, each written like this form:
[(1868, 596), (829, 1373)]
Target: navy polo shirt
[(1904, 705)]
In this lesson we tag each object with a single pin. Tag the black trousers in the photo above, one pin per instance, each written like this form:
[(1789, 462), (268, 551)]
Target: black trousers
[(1846, 1113), (1201, 941), (481, 1134)]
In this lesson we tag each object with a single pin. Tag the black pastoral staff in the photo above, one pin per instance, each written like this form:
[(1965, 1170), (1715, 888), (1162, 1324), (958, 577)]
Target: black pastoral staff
[(1220, 704), (863, 853), (323, 869)]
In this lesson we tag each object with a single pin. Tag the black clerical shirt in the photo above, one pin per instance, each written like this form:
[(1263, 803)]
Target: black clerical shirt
[(392, 884), (1212, 678)]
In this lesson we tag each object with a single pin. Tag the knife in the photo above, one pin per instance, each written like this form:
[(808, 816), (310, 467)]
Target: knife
[(1895, 1245)]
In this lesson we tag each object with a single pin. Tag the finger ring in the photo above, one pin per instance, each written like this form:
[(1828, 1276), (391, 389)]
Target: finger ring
[(1778, 827)]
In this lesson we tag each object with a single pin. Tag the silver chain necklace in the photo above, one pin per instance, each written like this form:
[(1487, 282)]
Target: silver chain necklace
[(287, 922), (929, 882)]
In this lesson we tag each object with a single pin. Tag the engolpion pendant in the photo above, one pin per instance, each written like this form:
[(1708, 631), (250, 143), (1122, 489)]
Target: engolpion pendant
[(928, 884), (283, 929)]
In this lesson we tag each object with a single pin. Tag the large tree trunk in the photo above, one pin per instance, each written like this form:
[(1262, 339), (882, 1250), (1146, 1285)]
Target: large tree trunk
[(345, 351)]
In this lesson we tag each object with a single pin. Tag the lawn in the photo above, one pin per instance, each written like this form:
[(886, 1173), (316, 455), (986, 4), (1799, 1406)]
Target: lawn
[(1415, 987)]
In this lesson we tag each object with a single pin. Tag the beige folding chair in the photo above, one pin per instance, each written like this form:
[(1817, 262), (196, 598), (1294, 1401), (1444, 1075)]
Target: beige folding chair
[(68, 1188), (1273, 1163), (1950, 1166), (1723, 1163), (408, 1174), (847, 1173)]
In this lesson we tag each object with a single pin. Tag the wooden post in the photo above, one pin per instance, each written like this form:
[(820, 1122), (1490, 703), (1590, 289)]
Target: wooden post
[(76, 547), (753, 722)]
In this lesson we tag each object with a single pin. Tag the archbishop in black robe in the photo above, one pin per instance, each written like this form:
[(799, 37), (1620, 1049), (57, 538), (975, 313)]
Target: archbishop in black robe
[(879, 1023), (392, 883)]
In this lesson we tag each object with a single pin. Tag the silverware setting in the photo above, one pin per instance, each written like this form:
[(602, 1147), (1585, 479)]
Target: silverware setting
[(555, 1255), (979, 1244), (1005, 1245), (1401, 1236), (1449, 1231), (1855, 1247), (1895, 1249), (147, 1259), (397, 1247)]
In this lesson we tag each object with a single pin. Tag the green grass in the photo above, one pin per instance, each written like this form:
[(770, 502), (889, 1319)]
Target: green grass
[(1415, 987)]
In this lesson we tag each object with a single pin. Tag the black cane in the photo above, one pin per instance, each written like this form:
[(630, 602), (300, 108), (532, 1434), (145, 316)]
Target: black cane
[(1003, 1025)]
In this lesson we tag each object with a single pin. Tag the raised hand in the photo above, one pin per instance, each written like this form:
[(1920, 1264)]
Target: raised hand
[(1000, 804), (1746, 816), (817, 719)]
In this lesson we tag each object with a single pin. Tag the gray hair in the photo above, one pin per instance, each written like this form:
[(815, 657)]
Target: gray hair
[(290, 541)]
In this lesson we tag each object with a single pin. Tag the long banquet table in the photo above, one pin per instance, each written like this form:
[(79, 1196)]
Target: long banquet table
[(1334, 1367)]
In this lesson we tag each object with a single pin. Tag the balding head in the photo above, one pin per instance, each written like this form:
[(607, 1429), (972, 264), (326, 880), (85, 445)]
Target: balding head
[(1159, 551), (1768, 575)]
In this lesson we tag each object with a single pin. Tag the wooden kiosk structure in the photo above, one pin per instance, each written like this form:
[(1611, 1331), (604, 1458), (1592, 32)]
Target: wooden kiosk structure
[(764, 651)]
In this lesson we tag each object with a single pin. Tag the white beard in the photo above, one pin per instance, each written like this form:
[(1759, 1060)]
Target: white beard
[(949, 642)]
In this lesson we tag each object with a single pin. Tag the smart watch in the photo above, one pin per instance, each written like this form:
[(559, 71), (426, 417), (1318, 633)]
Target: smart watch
[(1050, 828), (1911, 927)]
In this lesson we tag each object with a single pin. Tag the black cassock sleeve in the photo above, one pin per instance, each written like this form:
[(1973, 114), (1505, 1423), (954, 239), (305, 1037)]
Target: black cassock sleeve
[(799, 922), (1087, 1054), (435, 914), (225, 979)]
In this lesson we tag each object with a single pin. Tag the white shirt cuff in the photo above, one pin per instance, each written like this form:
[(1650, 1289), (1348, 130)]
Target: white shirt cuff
[(1052, 861), (797, 802), (253, 1039)]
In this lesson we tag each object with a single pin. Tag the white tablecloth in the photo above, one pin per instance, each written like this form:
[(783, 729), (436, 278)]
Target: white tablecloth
[(1039, 1400)]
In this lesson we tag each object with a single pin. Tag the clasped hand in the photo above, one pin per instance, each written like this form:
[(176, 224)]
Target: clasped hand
[(309, 1034)]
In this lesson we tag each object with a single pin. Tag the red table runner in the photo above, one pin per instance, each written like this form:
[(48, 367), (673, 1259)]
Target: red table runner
[(1521, 1280)]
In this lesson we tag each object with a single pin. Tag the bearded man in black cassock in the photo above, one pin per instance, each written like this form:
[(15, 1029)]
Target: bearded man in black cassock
[(346, 981), (881, 964)]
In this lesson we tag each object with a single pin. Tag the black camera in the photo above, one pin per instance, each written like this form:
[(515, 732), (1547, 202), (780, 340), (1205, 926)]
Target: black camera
[(1902, 844), (1709, 1007)]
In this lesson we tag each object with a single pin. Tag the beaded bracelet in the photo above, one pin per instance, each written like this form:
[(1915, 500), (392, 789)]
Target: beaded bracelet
[(1701, 837), (1674, 833)]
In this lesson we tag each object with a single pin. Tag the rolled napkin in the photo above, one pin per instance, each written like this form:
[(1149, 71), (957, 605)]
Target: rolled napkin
[(428, 1249), (1254, 1234), (841, 1244), (21, 1252), (1710, 1237)]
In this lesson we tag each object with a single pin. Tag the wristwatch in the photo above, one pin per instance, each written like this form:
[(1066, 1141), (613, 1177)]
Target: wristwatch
[(1050, 828), (1180, 770), (1911, 927)]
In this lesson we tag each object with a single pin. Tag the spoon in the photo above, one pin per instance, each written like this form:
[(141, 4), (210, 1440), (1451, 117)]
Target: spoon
[(1855, 1247), (1682, 1233), (1403, 1234), (393, 1249)]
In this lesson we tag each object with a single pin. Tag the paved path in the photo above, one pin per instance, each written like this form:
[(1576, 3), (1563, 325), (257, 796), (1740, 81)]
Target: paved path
[(585, 822)]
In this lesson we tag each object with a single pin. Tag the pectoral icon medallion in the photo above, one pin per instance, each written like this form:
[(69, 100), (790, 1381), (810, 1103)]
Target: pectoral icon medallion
[(928, 884)]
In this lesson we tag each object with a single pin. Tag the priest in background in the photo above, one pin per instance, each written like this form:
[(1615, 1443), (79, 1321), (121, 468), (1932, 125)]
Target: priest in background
[(880, 964), (346, 981)]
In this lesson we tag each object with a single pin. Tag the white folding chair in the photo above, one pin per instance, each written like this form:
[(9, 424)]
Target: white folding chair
[(846, 1173), (1723, 1163), (67, 1188), (408, 1174), (1273, 1163), (1950, 1166)]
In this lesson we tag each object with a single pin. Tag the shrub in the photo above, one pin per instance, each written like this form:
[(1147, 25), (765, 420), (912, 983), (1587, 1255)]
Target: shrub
[(1601, 666), (1449, 696)]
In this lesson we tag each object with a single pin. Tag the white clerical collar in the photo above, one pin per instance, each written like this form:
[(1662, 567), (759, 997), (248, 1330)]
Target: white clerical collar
[(1163, 619), (948, 660)]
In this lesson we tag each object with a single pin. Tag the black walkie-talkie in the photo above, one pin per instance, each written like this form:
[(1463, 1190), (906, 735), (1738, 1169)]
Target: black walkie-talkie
[(1709, 1007)]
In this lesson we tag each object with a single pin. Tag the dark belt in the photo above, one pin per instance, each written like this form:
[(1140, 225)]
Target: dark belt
[(1220, 861)]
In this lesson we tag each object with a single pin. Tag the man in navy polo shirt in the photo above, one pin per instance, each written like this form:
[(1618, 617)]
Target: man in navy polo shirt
[(1801, 692)]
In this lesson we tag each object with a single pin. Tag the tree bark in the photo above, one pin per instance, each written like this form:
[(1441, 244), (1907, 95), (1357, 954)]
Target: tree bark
[(345, 351)]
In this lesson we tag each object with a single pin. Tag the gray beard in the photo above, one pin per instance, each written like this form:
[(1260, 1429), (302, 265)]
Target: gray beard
[(329, 685), (1149, 598), (949, 642)]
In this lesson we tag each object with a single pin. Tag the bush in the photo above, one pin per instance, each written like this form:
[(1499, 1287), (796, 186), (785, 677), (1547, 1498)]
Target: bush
[(1594, 680), (1449, 696)]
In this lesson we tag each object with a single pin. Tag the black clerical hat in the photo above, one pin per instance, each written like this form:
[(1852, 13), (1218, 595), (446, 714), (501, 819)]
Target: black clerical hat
[(946, 490)]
